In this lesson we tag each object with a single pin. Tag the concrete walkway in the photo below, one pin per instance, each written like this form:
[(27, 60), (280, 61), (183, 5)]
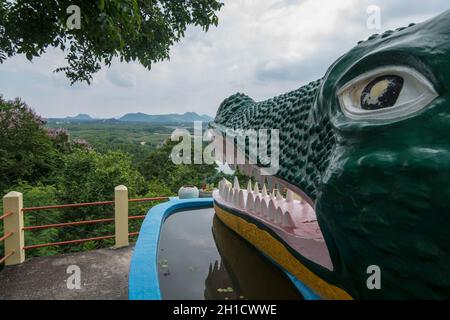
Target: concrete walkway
[(103, 275)]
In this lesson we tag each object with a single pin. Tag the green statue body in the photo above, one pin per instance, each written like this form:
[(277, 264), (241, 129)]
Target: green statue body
[(369, 147)]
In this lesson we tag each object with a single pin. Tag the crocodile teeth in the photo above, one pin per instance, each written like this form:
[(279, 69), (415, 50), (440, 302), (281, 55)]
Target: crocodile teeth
[(230, 195), (279, 196), (225, 193), (273, 195), (256, 189), (236, 185), (241, 200), (279, 216), (290, 196), (226, 182), (236, 197), (257, 205), (265, 210), (250, 202), (272, 209), (287, 220), (264, 191), (249, 186)]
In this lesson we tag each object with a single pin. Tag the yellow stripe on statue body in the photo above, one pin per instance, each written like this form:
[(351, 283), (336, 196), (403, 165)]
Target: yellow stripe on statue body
[(270, 246)]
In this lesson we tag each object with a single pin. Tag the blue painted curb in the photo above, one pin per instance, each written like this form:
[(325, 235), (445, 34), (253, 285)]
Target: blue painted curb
[(144, 281)]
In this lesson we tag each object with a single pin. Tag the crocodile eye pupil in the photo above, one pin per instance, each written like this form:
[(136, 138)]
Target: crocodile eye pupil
[(381, 92)]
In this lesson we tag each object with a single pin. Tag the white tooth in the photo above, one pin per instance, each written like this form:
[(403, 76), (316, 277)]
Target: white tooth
[(273, 195), (226, 182), (230, 195), (236, 198), (225, 193), (256, 189), (250, 202), (264, 191), (287, 220), (249, 186), (272, 209), (241, 200), (236, 185), (257, 205), (279, 196), (279, 216), (265, 210), (290, 196)]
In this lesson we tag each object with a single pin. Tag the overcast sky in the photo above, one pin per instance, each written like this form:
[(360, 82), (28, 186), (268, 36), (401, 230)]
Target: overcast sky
[(261, 47)]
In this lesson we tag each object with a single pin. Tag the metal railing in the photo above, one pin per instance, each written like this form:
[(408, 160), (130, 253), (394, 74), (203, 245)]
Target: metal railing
[(14, 229)]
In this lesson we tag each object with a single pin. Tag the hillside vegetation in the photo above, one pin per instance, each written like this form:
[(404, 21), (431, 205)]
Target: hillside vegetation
[(83, 163)]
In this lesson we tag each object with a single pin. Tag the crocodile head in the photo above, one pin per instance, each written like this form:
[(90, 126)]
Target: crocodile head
[(369, 147)]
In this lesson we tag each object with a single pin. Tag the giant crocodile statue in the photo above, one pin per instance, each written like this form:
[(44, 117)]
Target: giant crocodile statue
[(364, 153)]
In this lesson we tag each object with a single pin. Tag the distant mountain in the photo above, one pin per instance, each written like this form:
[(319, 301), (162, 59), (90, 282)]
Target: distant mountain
[(81, 117), (138, 117), (78, 118), (165, 118)]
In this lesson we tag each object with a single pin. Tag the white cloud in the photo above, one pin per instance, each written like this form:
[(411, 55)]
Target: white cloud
[(261, 47)]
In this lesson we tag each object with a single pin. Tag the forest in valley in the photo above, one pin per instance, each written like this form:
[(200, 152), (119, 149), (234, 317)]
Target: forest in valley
[(79, 163), (52, 164)]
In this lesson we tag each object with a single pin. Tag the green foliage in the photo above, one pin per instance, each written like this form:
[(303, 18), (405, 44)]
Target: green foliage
[(158, 189), (26, 151), (89, 176), (131, 30), (39, 195), (159, 166)]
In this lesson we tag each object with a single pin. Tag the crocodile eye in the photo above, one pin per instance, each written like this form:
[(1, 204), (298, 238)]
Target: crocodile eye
[(381, 93), (386, 93)]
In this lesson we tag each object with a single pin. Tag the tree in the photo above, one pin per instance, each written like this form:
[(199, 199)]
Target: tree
[(131, 30), (89, 176), (26, 151)]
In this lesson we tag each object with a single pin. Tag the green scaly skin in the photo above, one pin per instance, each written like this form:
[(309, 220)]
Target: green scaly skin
[(381, 189)]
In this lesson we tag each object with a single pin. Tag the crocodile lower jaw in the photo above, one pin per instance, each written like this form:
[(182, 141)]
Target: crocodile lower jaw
[(292, 218)]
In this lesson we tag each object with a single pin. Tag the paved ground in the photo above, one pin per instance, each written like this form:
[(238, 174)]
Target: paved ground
[(103, 274)]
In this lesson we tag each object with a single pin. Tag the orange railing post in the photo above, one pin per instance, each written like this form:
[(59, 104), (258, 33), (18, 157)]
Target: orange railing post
[(13, 227)]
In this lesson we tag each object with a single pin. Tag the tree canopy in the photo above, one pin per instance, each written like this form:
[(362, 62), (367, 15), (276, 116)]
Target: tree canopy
[(26, 151), (131, 30)]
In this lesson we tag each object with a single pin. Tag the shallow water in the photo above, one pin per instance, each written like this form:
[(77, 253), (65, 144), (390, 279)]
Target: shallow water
[(200, 258)]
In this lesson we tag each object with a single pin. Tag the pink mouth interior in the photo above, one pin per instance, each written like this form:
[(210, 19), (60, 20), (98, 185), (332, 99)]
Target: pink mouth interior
[(293, 221)]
